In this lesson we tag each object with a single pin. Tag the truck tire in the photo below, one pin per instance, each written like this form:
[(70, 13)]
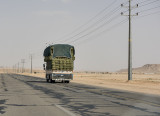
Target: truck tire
[(47, 80), (52, 81), (66, 81)]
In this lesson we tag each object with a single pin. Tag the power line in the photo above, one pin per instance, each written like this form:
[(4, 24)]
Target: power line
[(144, 5), (97, 22), (157, 12), (149, 9), (106, 16), (96, 28), (149, 3), (144, 1), (89, 21), (132, 8), (106, 30)]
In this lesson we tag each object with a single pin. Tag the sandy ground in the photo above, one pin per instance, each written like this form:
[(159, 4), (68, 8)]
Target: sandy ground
[(141, 82), (144, 83)]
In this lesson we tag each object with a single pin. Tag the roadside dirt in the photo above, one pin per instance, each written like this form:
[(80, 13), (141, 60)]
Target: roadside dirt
[(143, 83)]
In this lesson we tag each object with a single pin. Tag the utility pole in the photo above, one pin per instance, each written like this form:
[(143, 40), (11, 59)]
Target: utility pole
[(31, 56), (15, 68), (130, 39), (22, 61), (129, 46), (18, 68)]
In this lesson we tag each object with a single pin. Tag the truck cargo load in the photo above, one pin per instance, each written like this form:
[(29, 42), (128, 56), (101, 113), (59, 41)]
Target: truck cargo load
[(59, 60)]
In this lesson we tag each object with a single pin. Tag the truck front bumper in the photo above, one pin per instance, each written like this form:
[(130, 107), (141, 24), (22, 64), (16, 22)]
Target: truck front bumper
[(60, 77)]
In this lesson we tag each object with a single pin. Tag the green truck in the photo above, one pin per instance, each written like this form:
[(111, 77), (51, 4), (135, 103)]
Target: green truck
[(59, 64)]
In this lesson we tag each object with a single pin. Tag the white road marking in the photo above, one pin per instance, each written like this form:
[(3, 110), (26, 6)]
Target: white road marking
[(65, 110)]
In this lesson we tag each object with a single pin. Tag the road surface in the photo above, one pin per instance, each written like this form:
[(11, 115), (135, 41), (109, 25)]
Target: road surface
[(30, 96)]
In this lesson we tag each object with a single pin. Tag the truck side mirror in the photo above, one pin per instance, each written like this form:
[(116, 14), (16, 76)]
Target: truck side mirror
[(44, 67)]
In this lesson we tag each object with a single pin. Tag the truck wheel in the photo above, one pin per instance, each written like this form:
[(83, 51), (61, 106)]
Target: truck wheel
[(51, 80), (47, 80), (66, 81)]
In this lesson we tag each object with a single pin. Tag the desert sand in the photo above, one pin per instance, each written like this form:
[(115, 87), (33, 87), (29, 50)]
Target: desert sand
[(143, 83)]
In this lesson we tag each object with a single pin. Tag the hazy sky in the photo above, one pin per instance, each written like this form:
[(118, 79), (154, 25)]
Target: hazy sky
[(28, 26)]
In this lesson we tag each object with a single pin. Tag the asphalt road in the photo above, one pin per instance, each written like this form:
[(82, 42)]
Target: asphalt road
[(30, 96)]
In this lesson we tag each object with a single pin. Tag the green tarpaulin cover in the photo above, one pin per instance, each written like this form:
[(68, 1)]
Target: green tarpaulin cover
[(59, 50)]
